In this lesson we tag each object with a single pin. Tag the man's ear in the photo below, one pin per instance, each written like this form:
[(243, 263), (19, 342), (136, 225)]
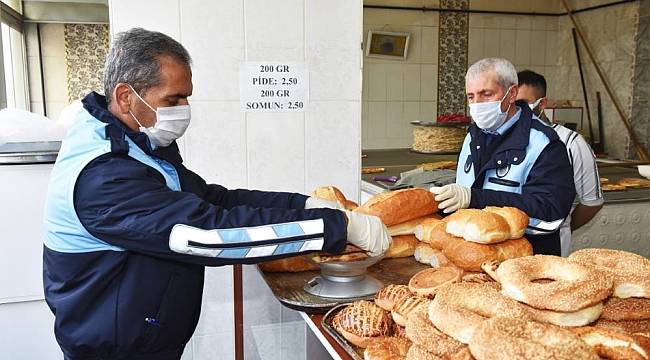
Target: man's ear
[(543, 103), (122, 98), (514, 91)]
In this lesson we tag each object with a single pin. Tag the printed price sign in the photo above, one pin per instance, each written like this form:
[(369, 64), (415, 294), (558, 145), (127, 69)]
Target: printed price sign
[(273, 86)]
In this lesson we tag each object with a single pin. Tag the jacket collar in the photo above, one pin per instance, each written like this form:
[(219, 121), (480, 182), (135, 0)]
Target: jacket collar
[(509, 148), (116, 130)]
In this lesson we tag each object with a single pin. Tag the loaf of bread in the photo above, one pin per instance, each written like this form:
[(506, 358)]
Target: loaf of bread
[(432, 232), (425, 254), (401, 246), (517, 220), (290, 264), (456, 222), (469, 255), (408, 227), (350, 253), (330, 193), (488, 226), (350, 205), (399, 206)]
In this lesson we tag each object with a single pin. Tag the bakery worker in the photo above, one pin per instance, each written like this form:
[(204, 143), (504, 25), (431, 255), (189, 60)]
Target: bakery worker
[(126, 223), (532, 89), (510, 158)]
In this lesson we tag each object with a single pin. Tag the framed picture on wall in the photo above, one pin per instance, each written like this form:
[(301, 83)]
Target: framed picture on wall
[(387, 44)]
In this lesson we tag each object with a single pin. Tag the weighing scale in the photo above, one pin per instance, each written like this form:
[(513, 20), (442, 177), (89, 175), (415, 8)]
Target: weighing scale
[(342, 280)]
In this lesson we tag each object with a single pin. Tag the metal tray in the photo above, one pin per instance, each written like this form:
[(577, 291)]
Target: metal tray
[(288, 287), (354, 351)]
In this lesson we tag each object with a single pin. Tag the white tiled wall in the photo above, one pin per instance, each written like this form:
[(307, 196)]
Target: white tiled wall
[(54, 69), (282, 151), (529, 42), (396, 92)]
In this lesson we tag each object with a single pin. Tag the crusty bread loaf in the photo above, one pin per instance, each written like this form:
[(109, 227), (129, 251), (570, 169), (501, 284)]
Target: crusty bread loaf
[(517, 220), (401, 246), (361, 322), (350, 205), (469, 255), (409, 227), (425, 254), (427, 282), (330, 193), (486, 228), (432, 232), (290, 264), (456, 222), (398, 206)]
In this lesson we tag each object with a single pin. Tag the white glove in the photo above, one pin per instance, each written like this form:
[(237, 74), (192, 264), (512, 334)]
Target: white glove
[(368, 233), (452, 197), (317, 203)]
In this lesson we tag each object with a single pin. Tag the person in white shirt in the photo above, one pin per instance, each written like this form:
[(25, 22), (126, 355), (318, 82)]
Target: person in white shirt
[(532, 89)]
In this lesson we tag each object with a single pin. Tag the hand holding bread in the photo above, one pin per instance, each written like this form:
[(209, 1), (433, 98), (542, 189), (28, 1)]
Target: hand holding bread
[(452, 197), (368, 233)]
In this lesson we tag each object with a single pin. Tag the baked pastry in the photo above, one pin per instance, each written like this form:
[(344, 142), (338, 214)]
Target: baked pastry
[(350, 253), (631, 272), (517, 220), (405, 306), (350, 205), (457, 221), (421, 332), (459, 309), (330, 193), (616, 309), (469, 255), (408, 227), (614, 345), (478, 278), (388, 348), (426, 282), (387, 296), (399, 206), (634, 182), (612, 187), (451, 165), (627, 326), (575, 286), (432, 232), (361, 322), (582, 317), (486, 228), (427, 255), (513, 338), (402, 246), (290, 264)]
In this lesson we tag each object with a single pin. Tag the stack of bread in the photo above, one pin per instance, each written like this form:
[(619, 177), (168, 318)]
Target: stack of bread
[(470, 237), (594, 304)]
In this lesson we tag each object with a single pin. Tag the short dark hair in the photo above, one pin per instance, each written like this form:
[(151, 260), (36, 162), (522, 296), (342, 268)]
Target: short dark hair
[(134, 59), (533, 79)]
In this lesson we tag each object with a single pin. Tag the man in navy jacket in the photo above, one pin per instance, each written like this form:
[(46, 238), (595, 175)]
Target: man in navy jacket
[(129, 229), (510, 158)]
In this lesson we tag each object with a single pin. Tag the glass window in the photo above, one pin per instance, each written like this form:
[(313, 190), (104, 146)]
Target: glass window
[(14, 92)]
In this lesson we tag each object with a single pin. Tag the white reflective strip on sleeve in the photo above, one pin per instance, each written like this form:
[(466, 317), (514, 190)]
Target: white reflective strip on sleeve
[(311, 227), (311, 245), (260, 251), (261, 233), (548, 225), (181, 235)]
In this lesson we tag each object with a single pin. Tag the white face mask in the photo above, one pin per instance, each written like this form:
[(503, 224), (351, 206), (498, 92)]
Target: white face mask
[(171, 123), (534, 105), (488, 115)]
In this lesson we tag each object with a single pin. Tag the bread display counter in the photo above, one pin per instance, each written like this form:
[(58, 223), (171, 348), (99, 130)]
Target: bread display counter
[(620, 224)]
